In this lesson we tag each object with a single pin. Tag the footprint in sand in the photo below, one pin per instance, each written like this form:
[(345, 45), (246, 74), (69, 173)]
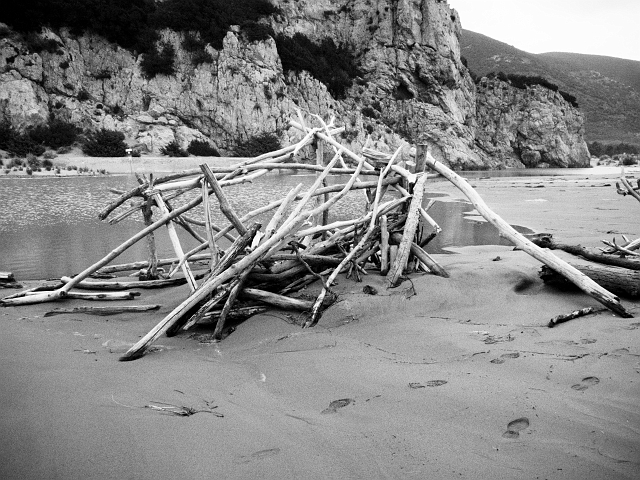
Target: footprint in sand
[(260, 455), (504, 356), (586, 383), (587, 341), (336, 404), (514, 427)]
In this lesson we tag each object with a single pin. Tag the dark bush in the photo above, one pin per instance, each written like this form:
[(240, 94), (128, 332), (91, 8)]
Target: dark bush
[(629, 160), (21, 145), (105, 143), (173, 150), (569, 98), (369, 112), (334, 66), (257, 32), (56, 134), (159, 62), (201, 148), (36, 44), (258, 144), (47, 164), (598, 149), (7, 134), (83, 95), (33, 162)]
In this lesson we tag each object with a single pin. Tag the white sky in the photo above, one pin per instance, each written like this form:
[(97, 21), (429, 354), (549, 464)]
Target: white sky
[(596, 27)]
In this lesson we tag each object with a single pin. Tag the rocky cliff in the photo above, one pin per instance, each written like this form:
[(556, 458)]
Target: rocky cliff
[(413, 88), (534, 127)]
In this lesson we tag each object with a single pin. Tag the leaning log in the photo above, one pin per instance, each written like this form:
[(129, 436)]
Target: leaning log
[(582, 281), (423, 256)]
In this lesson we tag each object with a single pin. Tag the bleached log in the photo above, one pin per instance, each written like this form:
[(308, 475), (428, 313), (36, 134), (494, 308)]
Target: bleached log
[(280, 301), (108, 285), (582, 281), (103, 311), (173, 236), (409, 233), (384, 245), (433, 266)]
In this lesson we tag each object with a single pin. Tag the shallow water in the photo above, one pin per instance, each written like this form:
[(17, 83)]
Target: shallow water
[(49, 226)]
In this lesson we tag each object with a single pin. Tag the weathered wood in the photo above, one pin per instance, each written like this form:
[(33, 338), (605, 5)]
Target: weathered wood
[(579, 250), (570, 316), (423, 256), (235, 314), (289, 226), (233, 295), (384, 246), (103, 296), (422, 149), (620, 281), (213, 246), (409, 233), (102, 310), (175, 241), (585, 283), (151, 272), (124, 267), (280, 301), (225, 206), (107, 285), (315, 311)]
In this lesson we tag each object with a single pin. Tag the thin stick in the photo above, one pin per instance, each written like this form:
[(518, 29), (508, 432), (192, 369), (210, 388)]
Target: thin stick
[(173, 236), (570, 316), (225, 206)]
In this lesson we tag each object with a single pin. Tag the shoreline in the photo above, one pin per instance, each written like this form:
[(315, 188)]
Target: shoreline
[(463, 380)]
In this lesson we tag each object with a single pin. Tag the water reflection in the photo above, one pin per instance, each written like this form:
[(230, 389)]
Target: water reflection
[(49, 226)]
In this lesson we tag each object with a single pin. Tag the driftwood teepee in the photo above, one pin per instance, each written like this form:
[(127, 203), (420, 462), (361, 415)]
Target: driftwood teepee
[(298, 246)]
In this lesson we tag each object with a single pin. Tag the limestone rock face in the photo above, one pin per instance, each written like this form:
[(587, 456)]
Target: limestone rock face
[(535, 127), (413, 88)]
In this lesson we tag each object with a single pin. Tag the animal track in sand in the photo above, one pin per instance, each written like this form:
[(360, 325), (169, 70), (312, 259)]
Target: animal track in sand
[(336, 404), (586, 383), (514, 427)]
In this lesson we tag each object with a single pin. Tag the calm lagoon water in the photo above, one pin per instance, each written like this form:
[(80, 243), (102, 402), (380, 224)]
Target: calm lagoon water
[(49, 226)]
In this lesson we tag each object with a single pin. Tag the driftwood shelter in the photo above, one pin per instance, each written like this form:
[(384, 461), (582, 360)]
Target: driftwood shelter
[(264, 265)]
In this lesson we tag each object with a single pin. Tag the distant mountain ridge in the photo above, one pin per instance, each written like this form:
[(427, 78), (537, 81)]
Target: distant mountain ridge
[(607, 88)]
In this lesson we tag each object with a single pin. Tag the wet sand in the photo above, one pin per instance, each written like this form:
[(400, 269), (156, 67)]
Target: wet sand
[(462, 380)]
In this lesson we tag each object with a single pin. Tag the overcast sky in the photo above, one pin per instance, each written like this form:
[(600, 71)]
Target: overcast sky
[(597, 27)]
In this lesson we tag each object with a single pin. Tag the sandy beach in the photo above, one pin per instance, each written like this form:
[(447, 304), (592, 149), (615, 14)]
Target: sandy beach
[(463, 380)]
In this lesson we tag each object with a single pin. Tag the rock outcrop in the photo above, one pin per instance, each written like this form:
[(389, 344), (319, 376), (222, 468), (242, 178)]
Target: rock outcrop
[(534, 127), (414, 88)]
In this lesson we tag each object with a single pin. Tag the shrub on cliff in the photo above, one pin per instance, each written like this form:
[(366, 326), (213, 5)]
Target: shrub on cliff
[(333, 65), (258, 144), (16, 143), (173, 149), (55, 134), (201, 148), (105, 143), (159, 62)]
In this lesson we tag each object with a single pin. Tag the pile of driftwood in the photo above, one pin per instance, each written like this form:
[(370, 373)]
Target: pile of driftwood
[(263, 266)]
